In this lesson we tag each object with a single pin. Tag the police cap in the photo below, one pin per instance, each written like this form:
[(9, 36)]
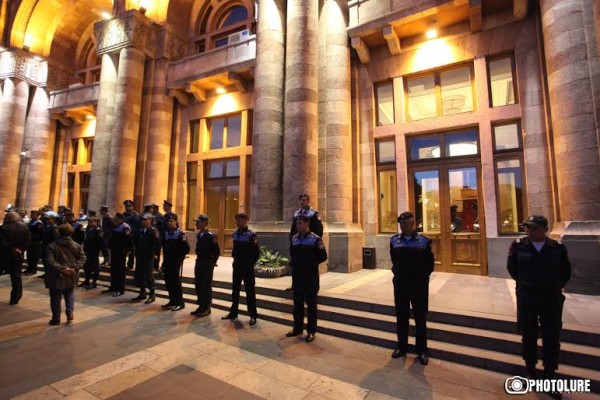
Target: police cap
[(202, 217), (405, 215), (103, 208), (535, 221), (241, 215), (126, 202), (303, 196), (172, 216), (148, 216), (167, 203)]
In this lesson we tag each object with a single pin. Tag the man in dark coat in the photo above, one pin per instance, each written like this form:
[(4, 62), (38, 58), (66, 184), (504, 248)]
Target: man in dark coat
[(14, 240), (208, 252), (94, 240), (541, 268), (34, 252), (133, 219), (245, 254), (78, 231), (412, 264), (120, 243), (147, 245), (65, 258), (49, 235), (175, 248), (108, 224), (307, 252)]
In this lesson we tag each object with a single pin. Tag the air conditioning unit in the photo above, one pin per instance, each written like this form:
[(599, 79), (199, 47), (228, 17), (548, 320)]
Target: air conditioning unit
[(238, 36)]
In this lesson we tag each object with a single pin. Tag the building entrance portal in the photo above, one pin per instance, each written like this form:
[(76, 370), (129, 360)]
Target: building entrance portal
[(222, 203)]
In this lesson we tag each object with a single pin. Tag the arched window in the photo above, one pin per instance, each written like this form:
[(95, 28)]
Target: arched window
[(222, 24), (89, 64)]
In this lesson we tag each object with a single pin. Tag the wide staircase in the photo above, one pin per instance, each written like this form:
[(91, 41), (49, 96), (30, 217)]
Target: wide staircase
[(480, 341)]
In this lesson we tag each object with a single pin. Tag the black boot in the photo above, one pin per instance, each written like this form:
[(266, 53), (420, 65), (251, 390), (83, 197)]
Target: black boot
[(84, 283), (140, 297), (151, 297)]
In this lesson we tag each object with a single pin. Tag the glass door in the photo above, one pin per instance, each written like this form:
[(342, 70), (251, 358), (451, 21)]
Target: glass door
[(222, 203), (428, 211)]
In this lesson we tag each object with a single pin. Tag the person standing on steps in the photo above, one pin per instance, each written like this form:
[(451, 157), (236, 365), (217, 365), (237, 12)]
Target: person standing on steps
[(208, 252), (175, 248), (147, 245), (120, 244), (94, 240), (412, 264), (540, 267), (14, 241), (245, 254)]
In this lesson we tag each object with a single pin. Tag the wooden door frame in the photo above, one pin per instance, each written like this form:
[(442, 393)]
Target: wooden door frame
[(222, 183)]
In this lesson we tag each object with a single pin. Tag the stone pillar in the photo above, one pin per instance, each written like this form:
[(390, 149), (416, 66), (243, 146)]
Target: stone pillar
[(344, 240), (13, 108), (105, 115), (156, 175), (570, 67), (125, 133), (267, 140), (300, 151), (38, 145)]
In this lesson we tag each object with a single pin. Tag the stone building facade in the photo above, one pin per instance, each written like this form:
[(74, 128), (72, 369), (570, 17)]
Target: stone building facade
[(472, 113)]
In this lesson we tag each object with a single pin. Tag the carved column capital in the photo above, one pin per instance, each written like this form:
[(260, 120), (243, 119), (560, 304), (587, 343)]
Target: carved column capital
[(169, 45), (131, 29), (19, 64)]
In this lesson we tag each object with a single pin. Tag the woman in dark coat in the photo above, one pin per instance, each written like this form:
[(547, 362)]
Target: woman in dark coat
[(64, 258)]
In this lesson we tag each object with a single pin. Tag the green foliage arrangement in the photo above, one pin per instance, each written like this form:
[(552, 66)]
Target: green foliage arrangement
[(270, 264)]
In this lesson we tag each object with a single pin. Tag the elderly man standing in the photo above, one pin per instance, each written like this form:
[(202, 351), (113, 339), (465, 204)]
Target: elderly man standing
[(14, 240), (412, 263), (65, 258)]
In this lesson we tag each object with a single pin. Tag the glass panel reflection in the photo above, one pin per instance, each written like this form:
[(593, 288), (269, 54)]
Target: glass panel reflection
[(213, 197), (457, 93), (461, 144), (427, 201), (194, 136), (510, 192), (385, 104), (216, 133), (464, 214), (215, 169), (501, 82), (506, 137), (234, 130), (424, 148), (421, 98), (386, 152), (388, 201), (232, 202), (232, 168)]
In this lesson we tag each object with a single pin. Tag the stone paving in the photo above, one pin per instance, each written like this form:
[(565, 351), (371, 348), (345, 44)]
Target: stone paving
[(120, 350)]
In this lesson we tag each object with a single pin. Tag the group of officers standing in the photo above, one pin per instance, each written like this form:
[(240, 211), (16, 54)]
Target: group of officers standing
[(539, 265)]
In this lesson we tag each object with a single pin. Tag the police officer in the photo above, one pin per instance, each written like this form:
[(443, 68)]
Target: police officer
[(315, 224), (14, 240), (132, 218), (78, 235), (34, 252), (412, 263), (307, 252), (175, 248), (208, 252), (161, 222), (245, 254), (147, 245), (541, 268), (94, 240), (120, 244), (107, 224)]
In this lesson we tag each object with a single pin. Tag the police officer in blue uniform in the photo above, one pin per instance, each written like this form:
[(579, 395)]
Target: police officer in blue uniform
[(307, 252), (147, 245), (34, 252), (175, 248), (541, 268), (245, 254), (78, 234), (133, 219), (94, 240), (412, 264), (315, 223), (208, 252), (108, 224), (120, 243)]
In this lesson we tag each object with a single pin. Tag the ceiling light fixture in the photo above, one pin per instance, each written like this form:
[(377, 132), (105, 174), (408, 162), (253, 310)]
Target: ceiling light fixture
[(221, 90), (106, 15), (431, 33)]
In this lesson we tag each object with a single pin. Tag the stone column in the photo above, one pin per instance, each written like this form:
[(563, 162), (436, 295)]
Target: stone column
[(267, 140), (573, 109), (38, 144), (156, 174), (344, 239), (300, 151), (571, 59), (13, 108), (125, 133), (105, 116)]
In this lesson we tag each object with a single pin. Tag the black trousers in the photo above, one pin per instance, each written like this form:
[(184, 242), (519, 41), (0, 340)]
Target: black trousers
[(131, 258), (144, 274), (14, 269), (539, 312), (118, 272), (91, 267), (203, 277), (243, 273), (415, 293), (305, 293), (172, 272), (106, 248), (34, 253)]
